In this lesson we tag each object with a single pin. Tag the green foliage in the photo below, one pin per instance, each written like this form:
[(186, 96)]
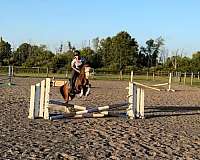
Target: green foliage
[(91, 56), (148, 55), (62, 61), (5, 52), (22, 53), (118, 51), (195, 62)]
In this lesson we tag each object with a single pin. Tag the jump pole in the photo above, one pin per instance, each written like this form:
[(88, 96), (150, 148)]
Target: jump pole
[(89, 112)]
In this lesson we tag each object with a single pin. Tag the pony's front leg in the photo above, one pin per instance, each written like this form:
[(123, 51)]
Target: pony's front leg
[(88, 90), (81, 94)]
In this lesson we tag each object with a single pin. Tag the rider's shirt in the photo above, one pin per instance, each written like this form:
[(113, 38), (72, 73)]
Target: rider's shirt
[(77, 63)]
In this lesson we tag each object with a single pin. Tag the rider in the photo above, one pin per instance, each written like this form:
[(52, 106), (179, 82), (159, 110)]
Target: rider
[(76, 65)]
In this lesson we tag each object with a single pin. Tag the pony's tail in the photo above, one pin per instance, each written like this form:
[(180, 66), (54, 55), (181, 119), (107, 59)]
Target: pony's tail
[(64, 90)]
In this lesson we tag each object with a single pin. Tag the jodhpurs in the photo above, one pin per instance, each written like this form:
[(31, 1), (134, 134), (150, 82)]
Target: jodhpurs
[(73, 78)]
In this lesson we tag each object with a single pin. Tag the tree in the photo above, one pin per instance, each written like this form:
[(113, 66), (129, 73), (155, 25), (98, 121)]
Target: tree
[(105, 51), (91, 56), (125, 49), (5, 52), (118, 51), (22, 53), (62, 61), (163, 55), (95, 44), (196, 61), (149, 54), (142, 59), (40, 56)]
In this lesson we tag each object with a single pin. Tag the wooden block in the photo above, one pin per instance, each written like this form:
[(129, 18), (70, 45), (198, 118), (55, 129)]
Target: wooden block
[(55, 107), (59, 83)]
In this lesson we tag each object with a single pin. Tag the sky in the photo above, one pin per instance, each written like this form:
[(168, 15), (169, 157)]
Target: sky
[(52, 22)]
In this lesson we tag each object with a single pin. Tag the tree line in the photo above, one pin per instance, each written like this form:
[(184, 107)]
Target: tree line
[(120, 52)]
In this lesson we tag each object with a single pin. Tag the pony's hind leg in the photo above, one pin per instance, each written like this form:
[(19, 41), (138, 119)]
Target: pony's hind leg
[(64, 90)]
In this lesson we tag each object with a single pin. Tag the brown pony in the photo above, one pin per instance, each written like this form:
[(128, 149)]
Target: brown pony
[(82, 85)]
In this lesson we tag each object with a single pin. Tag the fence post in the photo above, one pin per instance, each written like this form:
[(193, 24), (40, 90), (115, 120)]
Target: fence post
[(191, 78), (9, 75), (38, 71), (147, 75), (184, 80), (131, 76), (170, 81), (153, 76), (180, 77), (120, 75), (47, 72), (66, 74)]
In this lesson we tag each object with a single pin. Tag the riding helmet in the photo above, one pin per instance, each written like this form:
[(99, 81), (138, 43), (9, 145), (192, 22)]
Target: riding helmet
[(76, 53)]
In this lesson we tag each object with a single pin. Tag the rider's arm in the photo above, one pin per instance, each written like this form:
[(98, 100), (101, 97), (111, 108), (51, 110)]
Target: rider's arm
[(74, 66), (73, 63)]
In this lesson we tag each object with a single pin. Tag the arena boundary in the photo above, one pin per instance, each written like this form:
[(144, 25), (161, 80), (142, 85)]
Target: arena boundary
[(9, 77)]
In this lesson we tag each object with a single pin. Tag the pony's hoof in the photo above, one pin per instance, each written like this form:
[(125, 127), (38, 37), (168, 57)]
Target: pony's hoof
[(87, 94), (79, 95)]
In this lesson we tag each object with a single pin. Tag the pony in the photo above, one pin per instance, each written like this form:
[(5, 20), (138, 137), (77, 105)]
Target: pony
[(82, 85)]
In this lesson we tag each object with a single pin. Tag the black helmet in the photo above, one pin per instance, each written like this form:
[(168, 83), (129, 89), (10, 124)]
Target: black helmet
[(76, 53)]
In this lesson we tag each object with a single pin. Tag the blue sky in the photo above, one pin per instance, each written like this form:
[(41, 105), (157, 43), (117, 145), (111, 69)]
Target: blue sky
[(51, 22)]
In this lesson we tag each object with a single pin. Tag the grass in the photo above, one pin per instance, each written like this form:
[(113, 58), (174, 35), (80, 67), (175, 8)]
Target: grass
[(137, 78)]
